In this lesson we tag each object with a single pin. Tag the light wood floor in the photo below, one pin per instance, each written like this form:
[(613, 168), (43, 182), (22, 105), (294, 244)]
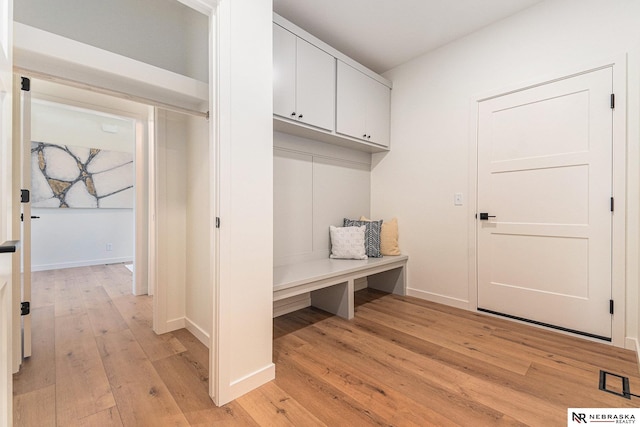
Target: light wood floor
[(401, 361)]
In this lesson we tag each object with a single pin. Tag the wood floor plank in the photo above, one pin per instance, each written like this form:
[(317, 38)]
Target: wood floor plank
[(38, 371), (274, 407), (82, 387), (137, 312), (416, 376), (401, 361), (188, 381), (107, 418), (316, 395), (116, 279), (42, 290), (577, 391), (229, 415), (577, 356), (190, 343), (104, 315), (68, 296), (448, 339), (142, 397), (36, 408), (372, 392)]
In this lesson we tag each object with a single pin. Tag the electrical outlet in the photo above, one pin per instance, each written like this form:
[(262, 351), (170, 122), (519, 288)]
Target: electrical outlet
[(457, 199), (109, 246)]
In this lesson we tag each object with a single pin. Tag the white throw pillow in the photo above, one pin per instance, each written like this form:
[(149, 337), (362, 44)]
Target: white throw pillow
[(347, 242)]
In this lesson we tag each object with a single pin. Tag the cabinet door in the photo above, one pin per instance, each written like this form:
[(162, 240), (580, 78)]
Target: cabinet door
[(284, 72), (378, 113), (351, 102), (315, 86)]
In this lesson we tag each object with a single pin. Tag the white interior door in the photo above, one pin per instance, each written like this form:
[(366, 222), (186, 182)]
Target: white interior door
[(545, 173)]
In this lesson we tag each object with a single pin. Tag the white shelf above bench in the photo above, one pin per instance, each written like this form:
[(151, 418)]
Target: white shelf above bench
[(48, 54)]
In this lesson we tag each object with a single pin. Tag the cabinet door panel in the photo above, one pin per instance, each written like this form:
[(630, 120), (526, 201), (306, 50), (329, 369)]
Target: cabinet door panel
[(378, 112), (315, 86), (351, 102), (284, 72)]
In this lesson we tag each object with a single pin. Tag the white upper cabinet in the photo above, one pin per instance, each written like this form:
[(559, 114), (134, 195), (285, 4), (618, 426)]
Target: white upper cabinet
[(304, 81), (362, 109), (284, 72), (323, 95)]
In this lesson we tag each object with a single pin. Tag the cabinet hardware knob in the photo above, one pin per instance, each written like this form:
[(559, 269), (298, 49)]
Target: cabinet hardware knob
[(368, 136), (293, 114), (300, 116), (364, 136)]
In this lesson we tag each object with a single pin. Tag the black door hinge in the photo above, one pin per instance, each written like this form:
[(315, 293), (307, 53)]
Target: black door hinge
[(24, 196), (217, 222), (610, 306), (612, 204), (25, 308), (26, 84), (613, 101)]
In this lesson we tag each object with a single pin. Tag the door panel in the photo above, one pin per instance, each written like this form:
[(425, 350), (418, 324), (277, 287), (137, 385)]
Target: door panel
[(378, 114), (284, 72), (315, 86), (351, 101), (545, 172), (25, 237)]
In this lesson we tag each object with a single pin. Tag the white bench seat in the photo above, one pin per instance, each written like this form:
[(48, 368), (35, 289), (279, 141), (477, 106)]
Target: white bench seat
[(331, 281)]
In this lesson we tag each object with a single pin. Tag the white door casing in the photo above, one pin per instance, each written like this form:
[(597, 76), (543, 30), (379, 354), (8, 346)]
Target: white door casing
[(545, 171), (6, 297), (25, 236)]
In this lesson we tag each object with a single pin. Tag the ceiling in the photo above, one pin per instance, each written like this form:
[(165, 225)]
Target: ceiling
[(382, 34)]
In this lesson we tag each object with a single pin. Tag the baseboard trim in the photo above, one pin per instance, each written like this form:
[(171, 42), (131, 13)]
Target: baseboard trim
[(197, 332), (440, 299), (247, 383), (291, 304), (87, 263), (175, 324), (633, 344)]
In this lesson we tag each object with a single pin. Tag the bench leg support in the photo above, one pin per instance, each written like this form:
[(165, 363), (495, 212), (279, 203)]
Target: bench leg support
[(392, 281), (336, 299)]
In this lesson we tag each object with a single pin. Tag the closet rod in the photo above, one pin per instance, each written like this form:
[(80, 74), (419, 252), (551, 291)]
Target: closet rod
[(109, 92)]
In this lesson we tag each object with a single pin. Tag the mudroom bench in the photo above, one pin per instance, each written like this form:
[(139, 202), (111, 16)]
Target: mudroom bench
[(330, 282)]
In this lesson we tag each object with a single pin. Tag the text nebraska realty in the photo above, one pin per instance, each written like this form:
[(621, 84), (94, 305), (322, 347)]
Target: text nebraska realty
[(612, 418)]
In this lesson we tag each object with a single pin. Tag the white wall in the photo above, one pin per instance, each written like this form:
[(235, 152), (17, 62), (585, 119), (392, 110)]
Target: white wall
[(184, 258), (199, 279), (432, 139), (315, 185), (63, 238), (171, 221), (243, 303), (151, 31)]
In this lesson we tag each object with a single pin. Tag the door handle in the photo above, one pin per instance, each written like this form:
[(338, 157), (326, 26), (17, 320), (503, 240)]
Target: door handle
[(32, 217), (484, 216)]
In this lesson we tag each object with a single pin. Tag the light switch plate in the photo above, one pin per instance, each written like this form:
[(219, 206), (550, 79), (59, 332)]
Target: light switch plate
[(457, 199)]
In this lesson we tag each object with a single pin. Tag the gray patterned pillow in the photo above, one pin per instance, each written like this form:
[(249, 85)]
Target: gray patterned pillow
[(371, 235)]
